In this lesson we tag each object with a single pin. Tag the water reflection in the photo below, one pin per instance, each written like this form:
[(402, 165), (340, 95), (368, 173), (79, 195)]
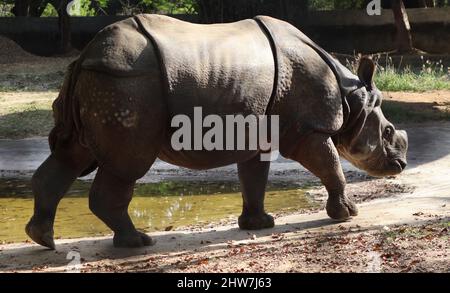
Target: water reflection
[(155, 206)]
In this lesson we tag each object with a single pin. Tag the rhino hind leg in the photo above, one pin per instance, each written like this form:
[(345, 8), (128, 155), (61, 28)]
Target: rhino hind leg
[(109, 199), (50, 182), (318, 154), (124, 123), (123, 162), (253, 176)]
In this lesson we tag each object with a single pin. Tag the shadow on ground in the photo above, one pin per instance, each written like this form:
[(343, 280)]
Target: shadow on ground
[(428, 142), (28, 123), (418, 112), (27, 258)]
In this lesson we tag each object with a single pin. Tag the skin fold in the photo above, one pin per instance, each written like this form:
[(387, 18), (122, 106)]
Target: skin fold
[(114, 110)]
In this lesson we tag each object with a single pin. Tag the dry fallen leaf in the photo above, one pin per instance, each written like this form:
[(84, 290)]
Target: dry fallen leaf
[(203, 261), (277, 237)]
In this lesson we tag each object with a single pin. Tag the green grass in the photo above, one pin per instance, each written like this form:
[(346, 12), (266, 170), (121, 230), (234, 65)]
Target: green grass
[(390, 80), (28, 123), (426, 76)]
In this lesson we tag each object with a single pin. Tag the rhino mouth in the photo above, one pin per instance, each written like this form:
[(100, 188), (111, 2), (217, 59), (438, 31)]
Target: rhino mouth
[(400, 164), (394, 167), (391, 167)]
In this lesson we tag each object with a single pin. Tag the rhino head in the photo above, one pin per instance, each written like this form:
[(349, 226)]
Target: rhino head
[(370, 142)]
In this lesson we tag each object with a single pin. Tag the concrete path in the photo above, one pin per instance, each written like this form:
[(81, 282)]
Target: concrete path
[(20, 158)]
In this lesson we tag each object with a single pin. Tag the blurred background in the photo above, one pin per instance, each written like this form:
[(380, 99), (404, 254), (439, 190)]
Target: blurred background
[(44, 27)]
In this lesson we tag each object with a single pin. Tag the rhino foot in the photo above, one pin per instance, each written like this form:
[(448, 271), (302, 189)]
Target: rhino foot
[(41, 233), (341, 208), (256, 222), (132, 240)]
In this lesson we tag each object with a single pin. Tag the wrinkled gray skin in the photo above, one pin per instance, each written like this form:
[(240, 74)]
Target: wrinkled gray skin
[(117, 101)]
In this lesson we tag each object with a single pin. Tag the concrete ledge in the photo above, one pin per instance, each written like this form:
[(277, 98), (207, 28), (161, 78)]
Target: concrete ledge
[(360, 17)]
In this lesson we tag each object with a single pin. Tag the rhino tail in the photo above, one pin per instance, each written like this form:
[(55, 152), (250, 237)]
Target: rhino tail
[(65, 126), (66, 115)]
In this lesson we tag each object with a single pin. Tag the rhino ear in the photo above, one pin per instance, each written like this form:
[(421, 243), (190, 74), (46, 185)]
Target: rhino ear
[(366, 71)]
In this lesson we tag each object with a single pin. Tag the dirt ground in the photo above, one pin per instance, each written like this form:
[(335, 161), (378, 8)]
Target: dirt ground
[(407, 232), (23, 71), (399, 248), (433, 104), (417, 107), (437, 98)]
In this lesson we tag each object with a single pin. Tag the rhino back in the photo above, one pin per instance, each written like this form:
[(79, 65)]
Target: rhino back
[(224, 68), (120, 49)]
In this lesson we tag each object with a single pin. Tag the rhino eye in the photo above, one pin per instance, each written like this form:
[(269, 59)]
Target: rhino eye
[(388, 132)]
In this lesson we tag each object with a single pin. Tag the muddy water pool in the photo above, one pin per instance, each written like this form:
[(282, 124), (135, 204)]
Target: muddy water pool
[(155, 206)]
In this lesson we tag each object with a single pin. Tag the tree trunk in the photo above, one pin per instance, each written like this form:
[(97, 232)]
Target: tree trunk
[(20, 8), (63, 25), (404, 39), (430, 3), (37, 7)]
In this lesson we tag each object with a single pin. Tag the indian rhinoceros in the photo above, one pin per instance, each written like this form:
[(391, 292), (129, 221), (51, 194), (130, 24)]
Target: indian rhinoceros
[(115, 107)]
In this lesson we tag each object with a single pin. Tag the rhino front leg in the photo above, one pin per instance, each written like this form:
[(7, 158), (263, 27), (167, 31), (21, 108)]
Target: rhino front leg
[(253, 178), (318, 154)]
